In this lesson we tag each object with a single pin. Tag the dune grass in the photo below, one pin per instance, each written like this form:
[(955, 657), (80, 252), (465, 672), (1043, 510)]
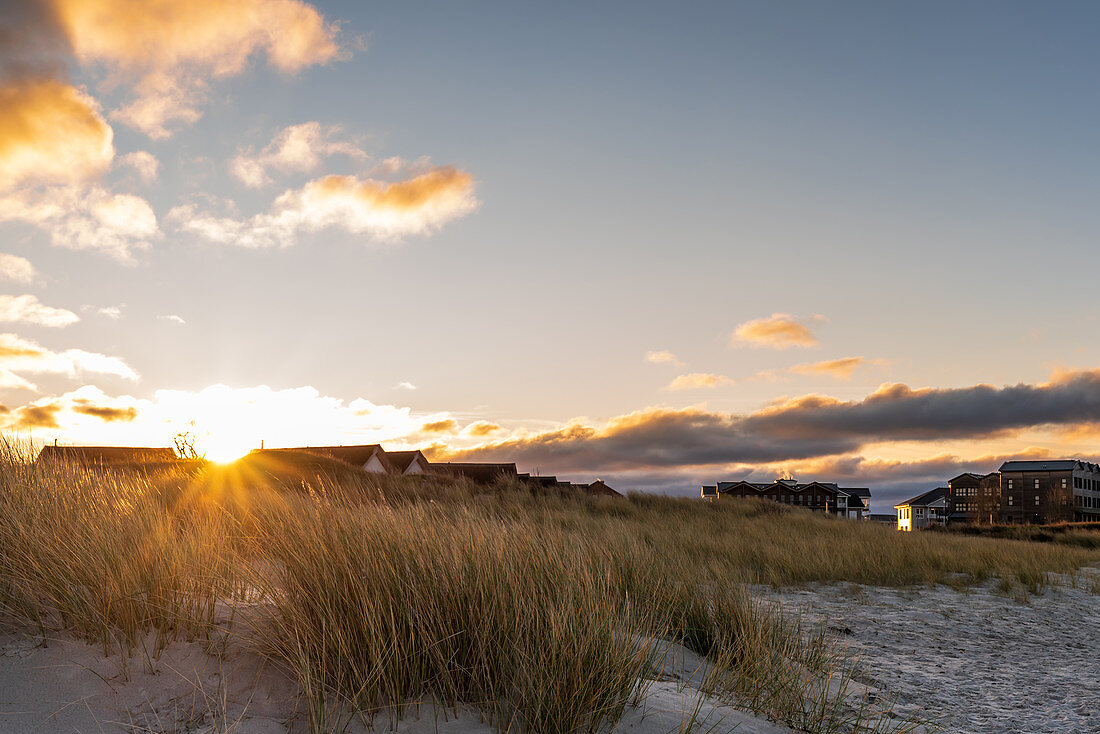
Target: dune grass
[(545, 610)]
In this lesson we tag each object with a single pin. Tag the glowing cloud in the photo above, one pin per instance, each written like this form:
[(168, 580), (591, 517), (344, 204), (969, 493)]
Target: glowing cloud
[(226, 422), (446, 425), (481, 428), (15, 268), (295, 148), (778, 331), (28, 310), (384, 211), (699, 380), (86, 218), (23, 355), (169, 48), (663, 357), (842, 369), (51, 132)]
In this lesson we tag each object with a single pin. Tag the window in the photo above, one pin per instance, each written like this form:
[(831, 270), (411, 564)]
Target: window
[(1036, 499), (1010, 499), (1063, 482), (1036, 484), (1010, 484)]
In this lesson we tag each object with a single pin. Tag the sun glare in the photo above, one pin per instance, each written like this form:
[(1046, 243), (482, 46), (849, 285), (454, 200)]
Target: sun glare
[(225, 453)]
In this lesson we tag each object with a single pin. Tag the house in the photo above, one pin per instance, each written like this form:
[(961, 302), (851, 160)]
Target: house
[(924, 510), (408, 462), (890, 520), (974, 498), (105, 455), (600, 489), (370, 458), (480, 473), (1049, 491), (828, 497)]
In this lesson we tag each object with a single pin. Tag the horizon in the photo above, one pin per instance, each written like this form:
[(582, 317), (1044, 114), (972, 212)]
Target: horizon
[(666, 246)]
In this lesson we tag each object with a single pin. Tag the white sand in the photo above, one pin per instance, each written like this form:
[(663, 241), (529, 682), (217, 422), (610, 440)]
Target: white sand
[(990, 663), (69, 686), (987, 662)]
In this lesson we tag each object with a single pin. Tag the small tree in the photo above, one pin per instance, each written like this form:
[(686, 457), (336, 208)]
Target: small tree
[(185, 445)]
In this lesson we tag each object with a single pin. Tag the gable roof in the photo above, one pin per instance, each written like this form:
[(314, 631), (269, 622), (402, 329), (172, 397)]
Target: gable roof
[(1056, 465), (598, 487), (402, 460), (106, 454), (932, 495), (355, 455)]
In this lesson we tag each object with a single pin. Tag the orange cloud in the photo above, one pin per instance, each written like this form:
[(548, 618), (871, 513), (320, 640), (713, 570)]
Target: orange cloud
[(663, 357), (51, 132), (842, 369), (170, 48), (481, 428), (778, 331), (35, 416), (698, 380), (384, 211), (447, 425), (105, 413)]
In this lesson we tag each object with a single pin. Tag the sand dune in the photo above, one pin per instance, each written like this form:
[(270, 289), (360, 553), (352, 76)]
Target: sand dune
[(63, 685)]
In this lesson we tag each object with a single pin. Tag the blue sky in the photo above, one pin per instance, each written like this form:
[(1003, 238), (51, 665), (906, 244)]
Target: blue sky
[(911, 183)]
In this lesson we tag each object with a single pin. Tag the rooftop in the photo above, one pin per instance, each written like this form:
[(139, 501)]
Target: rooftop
[(925, 499)]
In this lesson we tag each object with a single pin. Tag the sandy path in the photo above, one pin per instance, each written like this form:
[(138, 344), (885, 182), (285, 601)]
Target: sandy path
[(990, 663)]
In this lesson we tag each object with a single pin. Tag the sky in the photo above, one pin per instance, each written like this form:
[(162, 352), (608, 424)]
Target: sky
[(662, 244)]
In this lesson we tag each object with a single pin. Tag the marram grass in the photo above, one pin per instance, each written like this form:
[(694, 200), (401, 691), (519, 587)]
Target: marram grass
[(546, 611)]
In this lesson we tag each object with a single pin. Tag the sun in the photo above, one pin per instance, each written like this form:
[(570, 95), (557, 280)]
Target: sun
[(226, 452)]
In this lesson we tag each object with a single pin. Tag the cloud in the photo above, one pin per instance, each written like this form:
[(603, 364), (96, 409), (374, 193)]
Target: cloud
[(173, 318), (383, 211), (15, 268), (446, 425), (295, 148), (144, 164), (778, 331), (51, 132), (807, 427), (54, 146), (23, 355), (88, 405), (35, 416), (663, 357), (105, 412), (404, 385), (226, 421), (699, 380), (86, 218), (168, 50), (28, 310), (111, 312), (842, 369), (480, 428)]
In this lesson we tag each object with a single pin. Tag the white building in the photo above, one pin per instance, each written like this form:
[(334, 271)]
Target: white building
[(923, 510)]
